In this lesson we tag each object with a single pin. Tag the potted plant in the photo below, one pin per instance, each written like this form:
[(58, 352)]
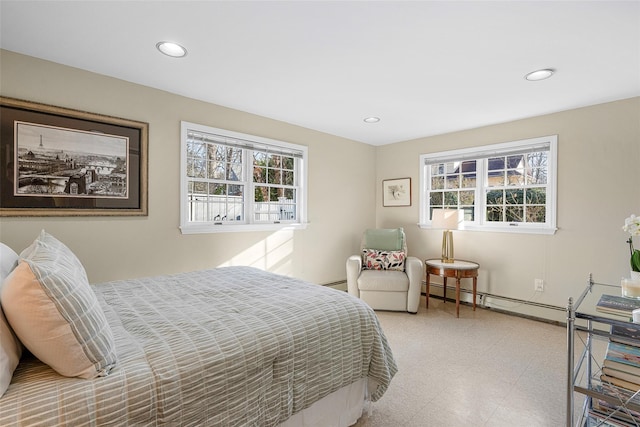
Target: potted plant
[(632, 226)]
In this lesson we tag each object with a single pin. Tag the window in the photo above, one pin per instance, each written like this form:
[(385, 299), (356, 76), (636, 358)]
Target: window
[(237, 182), (503, 187)]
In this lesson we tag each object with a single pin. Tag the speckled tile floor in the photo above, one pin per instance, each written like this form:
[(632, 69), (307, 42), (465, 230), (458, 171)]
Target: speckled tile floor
[(483, 369)]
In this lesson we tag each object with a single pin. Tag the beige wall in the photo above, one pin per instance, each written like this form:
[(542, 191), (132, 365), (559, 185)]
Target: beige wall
[(598, 187), (341, 186), (598, 167)]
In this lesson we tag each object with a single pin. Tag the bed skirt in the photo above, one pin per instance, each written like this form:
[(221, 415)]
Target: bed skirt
[(342, 408)]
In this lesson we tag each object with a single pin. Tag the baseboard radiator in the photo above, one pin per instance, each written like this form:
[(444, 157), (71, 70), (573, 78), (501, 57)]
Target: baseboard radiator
[(482, 297)]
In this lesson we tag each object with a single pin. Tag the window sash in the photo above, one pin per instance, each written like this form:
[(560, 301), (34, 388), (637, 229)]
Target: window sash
[(284, 181), (496, 150), (476, 212), (242, 143)]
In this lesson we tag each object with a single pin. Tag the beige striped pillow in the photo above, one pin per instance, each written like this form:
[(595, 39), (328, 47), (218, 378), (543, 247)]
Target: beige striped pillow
[(54, 312)]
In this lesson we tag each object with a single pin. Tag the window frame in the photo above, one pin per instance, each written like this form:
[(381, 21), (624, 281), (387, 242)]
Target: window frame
[(481, 154), (248, 143)]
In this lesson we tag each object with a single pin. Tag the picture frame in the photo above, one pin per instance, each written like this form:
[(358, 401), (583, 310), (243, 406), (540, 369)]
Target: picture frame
[(57, 161), (396, 192)]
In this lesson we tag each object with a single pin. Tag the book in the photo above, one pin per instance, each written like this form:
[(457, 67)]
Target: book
[(620, 383), (623, 353), (631, 331), (621, 375), (614, 304), (623, 367)]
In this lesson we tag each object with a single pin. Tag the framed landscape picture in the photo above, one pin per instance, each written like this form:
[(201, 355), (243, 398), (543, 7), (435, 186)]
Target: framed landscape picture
[(396, 192), (61, 162)]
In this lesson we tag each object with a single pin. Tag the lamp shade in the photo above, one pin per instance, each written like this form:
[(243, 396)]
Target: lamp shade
[(447, 219)]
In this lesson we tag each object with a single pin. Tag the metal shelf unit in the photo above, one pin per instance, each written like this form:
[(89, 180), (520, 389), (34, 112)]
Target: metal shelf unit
[(586, 325)]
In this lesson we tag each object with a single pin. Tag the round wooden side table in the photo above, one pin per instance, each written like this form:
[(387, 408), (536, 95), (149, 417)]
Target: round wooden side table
[(457, 269)]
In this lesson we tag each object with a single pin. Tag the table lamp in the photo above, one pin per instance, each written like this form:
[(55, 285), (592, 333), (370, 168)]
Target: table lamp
[(447, 219)]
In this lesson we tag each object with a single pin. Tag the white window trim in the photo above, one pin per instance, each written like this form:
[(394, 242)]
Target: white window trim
[(187, 227), (485, 151)]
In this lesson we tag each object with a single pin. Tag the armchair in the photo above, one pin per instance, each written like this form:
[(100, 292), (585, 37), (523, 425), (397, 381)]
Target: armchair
[(383, 275)]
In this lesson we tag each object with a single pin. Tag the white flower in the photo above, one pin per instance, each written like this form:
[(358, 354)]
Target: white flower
[(632, 225)]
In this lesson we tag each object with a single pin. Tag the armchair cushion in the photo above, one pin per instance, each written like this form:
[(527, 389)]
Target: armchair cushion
[(388, 239), (389, 280), (373, 259)]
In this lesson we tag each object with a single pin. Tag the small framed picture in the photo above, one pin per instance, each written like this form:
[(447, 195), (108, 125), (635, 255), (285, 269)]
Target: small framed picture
[(396, 192)]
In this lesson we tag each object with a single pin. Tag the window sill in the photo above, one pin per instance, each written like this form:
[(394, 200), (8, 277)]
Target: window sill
[(518, 229), (228, 228)]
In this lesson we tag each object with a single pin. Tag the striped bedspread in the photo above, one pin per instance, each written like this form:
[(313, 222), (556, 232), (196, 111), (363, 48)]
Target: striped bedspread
[(233, 346)]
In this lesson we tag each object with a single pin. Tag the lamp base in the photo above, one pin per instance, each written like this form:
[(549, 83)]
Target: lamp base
[(447, 247)]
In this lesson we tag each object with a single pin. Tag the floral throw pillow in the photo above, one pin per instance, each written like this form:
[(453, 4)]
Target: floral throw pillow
[(395, 260), (374, 259)]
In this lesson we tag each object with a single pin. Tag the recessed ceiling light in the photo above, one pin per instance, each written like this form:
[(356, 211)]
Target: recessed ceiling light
[(372, 119), (172, 49), (534, 76)]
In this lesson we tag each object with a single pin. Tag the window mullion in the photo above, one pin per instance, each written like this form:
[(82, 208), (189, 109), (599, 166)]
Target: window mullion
[(481, 189), (249, 194)]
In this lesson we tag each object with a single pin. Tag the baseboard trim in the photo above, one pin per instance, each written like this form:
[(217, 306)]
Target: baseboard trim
[(342, 285), (484, 295), (336, 283)]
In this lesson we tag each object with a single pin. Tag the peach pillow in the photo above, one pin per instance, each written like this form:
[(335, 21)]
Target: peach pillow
[(54, 312)]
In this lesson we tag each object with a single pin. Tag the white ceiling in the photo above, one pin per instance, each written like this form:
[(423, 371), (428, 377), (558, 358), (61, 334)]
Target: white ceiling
[(423, 67)]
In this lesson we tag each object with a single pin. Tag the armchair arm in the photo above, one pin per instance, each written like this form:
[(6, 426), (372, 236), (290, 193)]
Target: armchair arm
[(415, 271), (354, 266)]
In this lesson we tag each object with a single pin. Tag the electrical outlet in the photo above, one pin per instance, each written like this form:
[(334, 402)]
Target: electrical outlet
[(538, 285)]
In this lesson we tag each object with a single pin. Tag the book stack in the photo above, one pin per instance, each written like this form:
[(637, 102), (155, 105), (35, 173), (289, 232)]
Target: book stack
[(618, 305), (620, 379), (616, 413)]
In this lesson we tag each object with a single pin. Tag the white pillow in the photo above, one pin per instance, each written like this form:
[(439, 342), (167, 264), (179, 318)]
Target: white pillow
[(10, 347), (8, 261), (10, 352), (54, 312)]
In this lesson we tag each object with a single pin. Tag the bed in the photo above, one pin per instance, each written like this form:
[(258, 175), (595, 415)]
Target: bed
[(233, 346)]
